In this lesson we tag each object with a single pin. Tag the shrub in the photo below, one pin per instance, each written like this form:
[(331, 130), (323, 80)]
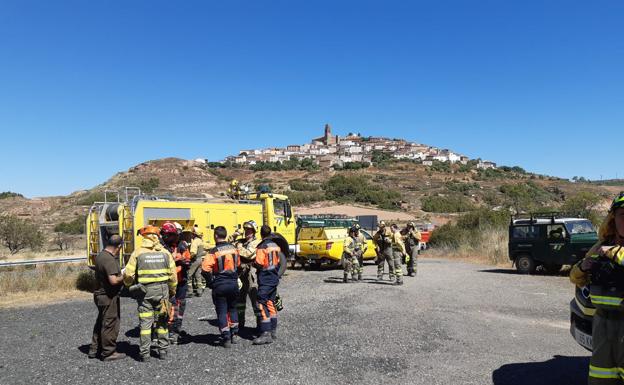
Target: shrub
[(148, 186), (481, 233), (379, 157), (446, 204), (76, 226), (9, 194), (352, 166), (357, 188), (291, 164), (46, 279), (584, 205), (441, 166), (460, 187), (304, 197), (90, 198), (526, 196), (86, 281), (301, 185), (17, 234)]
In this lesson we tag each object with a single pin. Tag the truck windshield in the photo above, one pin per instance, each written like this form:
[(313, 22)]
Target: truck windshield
[(580, 227)]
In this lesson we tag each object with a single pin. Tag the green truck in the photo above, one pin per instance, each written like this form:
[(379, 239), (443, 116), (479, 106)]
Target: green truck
[(549, 240)]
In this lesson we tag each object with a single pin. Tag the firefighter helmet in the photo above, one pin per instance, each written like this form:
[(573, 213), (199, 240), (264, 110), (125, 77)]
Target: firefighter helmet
[(251, 225), (168, 228), (196, 231), (149, 230), (617, 202)]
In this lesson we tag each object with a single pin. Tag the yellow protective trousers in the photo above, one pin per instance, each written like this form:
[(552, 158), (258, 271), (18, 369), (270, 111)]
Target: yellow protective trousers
[(606, 366)]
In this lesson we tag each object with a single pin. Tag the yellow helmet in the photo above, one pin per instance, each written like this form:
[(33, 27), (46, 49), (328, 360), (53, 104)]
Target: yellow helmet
[(382, 224), (234, 183), (617, 202)]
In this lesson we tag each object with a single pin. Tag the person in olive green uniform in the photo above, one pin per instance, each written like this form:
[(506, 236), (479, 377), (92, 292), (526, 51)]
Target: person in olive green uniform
[(198, 282), (246, 247), (412, 243), (606, 365), (106, 297), (152, 270), (398, 251), (354, 247)]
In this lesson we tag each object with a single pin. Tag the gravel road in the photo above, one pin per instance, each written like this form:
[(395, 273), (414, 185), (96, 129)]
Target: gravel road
[(455, 323)]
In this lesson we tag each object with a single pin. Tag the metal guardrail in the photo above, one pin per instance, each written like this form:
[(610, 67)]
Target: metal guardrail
[(42, 261)]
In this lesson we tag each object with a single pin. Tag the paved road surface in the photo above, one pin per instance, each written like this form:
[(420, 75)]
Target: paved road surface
[(455, 323)]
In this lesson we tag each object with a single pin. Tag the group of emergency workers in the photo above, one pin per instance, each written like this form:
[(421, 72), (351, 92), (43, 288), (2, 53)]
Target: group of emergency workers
[(170, 258), (393, 246)]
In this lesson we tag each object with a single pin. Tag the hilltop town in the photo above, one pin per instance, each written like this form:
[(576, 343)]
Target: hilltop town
[(332, 150)]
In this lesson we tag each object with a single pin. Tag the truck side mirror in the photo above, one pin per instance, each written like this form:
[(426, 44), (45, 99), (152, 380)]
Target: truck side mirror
[(288, 212)]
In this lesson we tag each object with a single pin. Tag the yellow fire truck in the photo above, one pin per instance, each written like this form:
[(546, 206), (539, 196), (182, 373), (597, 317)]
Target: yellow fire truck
[(132, 210)]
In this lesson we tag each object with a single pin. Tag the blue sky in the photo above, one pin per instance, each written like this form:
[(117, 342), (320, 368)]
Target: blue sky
[(90, 88)]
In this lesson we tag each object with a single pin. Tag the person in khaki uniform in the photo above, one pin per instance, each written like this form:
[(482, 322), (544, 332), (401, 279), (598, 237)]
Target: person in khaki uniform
[(412, 242), (383, 242), (354, 247), (398, 251), (246, 247), (109, 282), (152, 277), (198, 282), (606, 366)]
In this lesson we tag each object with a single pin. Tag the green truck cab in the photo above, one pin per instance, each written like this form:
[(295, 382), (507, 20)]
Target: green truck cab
[(549, 240)]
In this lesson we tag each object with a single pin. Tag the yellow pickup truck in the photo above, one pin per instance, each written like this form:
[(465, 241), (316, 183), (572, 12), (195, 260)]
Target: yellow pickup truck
[(322, 244)]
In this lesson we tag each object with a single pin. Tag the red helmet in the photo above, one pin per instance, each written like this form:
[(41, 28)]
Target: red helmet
[(168, 228)]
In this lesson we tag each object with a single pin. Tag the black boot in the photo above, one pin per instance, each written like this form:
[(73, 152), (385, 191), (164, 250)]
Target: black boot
[(345, 278), (263, 339)]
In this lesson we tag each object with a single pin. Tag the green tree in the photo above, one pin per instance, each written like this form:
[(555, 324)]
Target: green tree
[(17, 234), (583, 204), (10, 194), (148, 186), (76, 226)]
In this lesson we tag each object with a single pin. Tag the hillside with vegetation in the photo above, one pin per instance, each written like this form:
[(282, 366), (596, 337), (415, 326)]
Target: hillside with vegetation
[(468, 197)]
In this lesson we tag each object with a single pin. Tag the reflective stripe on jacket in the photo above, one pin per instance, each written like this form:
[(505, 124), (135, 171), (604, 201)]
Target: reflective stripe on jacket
[(267, 263), (152, 267), (222, 261), (267, 256)]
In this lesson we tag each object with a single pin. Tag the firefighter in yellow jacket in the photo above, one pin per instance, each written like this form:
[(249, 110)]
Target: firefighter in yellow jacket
[(354, 248), (606, 365), (151, 275), (398, 251), (246, 247), (383, 243), (198, 282), (412, 242)]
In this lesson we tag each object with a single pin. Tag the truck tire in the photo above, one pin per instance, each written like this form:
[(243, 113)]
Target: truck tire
[(525, 264)]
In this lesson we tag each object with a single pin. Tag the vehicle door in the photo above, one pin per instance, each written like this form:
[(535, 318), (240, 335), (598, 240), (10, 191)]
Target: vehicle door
[(283, 220), (370, 251), (558, 245), (524, 240)]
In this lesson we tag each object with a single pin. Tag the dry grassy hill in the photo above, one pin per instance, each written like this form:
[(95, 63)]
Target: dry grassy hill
[(418, 191)]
